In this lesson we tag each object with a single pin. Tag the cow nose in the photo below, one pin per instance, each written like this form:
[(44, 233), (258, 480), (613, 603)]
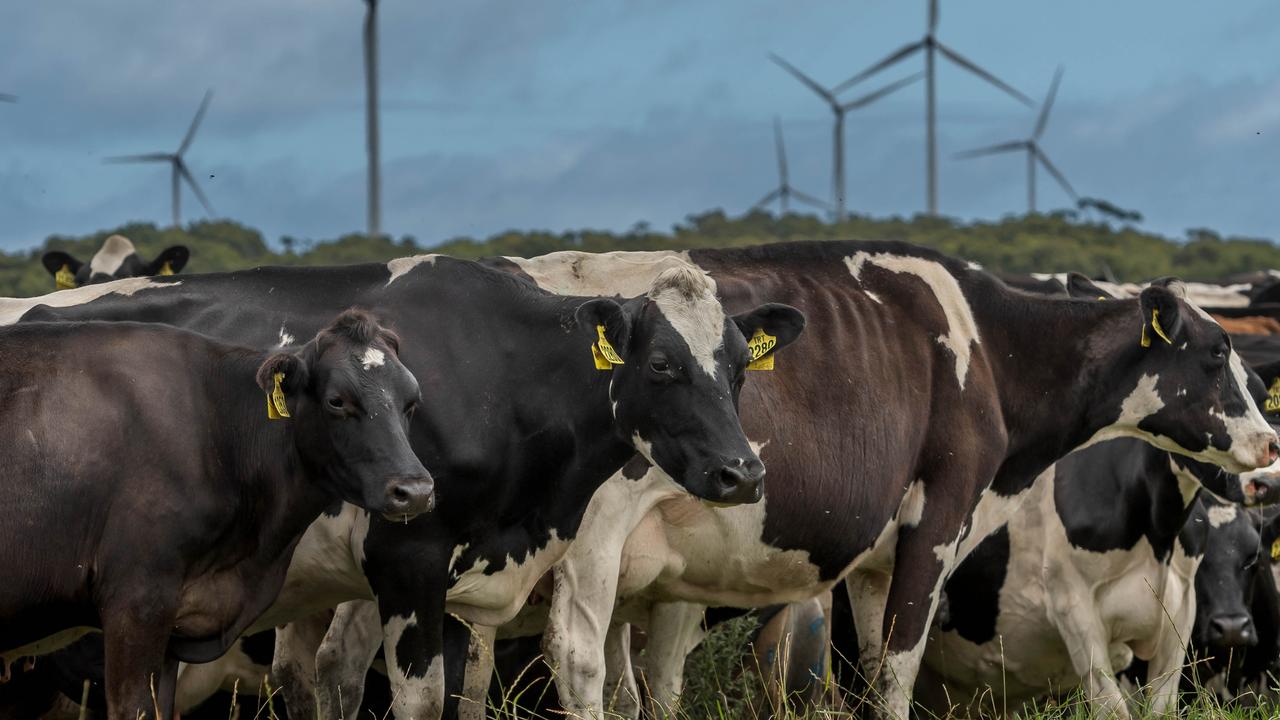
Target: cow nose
[(1273, 452), (1231, 631), (410, 496), (740, 481)]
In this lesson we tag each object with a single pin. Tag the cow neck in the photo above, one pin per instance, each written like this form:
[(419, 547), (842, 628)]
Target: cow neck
[(1061, 368)]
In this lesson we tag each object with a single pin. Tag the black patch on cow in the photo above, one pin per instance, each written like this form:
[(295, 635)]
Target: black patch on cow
[(973, 590)]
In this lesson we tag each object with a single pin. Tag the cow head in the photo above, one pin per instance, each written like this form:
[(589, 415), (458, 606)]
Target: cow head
[(1226, 577), (350, 400), (675, 394), (1192, 392), (115, 260)]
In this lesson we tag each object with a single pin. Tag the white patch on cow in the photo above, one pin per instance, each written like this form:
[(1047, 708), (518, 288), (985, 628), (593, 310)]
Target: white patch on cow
[(285, 338), (628, 274), (372, 358), (12, 309), (1142, 402), (644, 447), (1249, 433), (911, 509), (873, 296), (1220, 515), (401, 266), (1188, 483), (686, 297), (962, 329), (973, 265), (413, 695), (494, 599), (111, 256)]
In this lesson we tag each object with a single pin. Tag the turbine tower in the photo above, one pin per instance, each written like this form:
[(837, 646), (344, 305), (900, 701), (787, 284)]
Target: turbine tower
[(931, 45), (839, 109), (1032, 147), (784, 192), (371, 116), (180, 170)]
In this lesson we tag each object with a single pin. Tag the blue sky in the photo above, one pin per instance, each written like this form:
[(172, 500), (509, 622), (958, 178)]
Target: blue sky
[(555, 114)]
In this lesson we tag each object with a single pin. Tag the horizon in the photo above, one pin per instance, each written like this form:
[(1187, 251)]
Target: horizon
[(499, 117)]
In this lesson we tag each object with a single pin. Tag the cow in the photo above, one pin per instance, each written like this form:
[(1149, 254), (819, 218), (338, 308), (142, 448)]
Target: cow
[(536, 399), (116, 259), (148, 493), (931, 394)]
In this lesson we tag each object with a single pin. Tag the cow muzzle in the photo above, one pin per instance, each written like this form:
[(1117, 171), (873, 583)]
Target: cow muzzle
[(1232, 631), (1261, 487), (738, 482), (409, 497)]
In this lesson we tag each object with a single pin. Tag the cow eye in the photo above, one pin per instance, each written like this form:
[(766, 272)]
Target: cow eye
[(335, 402), (1219, 352), (660, 365), (409, 408)]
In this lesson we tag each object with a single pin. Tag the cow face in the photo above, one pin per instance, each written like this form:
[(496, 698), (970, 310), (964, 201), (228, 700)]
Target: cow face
[(350, 400), (115, 260), (675, 395), (1226, 576)]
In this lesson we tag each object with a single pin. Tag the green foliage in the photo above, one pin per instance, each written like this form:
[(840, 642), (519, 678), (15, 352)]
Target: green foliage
[(1054, 242)]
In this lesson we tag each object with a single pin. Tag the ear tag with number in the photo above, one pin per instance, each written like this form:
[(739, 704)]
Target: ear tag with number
[(603, 353), (1273, 397), (64, 279), (1275, 549), (759, 346), (166, 269), (276, 406), (1155, 325)]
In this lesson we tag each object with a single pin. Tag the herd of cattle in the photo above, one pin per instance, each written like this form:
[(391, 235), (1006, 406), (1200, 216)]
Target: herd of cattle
[(1026, 485)]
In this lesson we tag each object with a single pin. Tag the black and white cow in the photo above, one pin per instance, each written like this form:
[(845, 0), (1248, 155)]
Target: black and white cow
[(928, 399), (116, 259), (1098, 567), (528, 413), (148, 493)]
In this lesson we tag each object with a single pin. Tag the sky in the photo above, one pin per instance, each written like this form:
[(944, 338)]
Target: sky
[(560, 114)]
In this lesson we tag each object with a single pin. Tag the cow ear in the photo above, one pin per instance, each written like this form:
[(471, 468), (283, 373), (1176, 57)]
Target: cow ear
[(781, 322), (169, 262), (613, 317), (1079, 286), (55, 260), (1161, 316), (292, 368)]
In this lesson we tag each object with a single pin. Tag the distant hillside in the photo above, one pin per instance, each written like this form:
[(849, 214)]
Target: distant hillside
[(1039, 243)]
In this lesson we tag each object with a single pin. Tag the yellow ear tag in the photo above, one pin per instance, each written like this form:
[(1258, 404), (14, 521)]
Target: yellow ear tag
[(603, 353), (276, 407), (1273, 398), (759, 345), (166, 269), (1155, 325), (64, 279), (1275, 549)]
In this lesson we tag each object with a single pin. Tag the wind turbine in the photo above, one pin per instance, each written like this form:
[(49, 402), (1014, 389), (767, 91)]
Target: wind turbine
[(180, 170), (1032, 147), (839, 109), (784, 191), (371, 116), (931, 45)]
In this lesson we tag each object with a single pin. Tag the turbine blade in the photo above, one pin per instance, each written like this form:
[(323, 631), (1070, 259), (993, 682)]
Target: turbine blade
[(808, 81), (991, 150), (773, 195), (195, 122), (886, 90), (967, 64), (811, 200), (1062, 180), (147, 157), (933, 16), (186, 175), (6, 97), (897, 55), (781, 148), (1048, 105)]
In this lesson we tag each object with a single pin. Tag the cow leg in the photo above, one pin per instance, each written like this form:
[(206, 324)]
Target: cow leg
[(478, 673), (293, 663), (413, 642), (581, 608), (675, 629), (140, 676), (1074, 614), (620, 689), (924, 556), (346, 652), (1165, 668)]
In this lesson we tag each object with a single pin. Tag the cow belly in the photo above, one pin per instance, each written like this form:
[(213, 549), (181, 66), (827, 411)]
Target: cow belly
[(480, 596), (45, 645), (325, 569)]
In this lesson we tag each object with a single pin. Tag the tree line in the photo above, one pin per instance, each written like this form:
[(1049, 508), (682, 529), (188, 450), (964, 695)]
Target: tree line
[(1054, 242)]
